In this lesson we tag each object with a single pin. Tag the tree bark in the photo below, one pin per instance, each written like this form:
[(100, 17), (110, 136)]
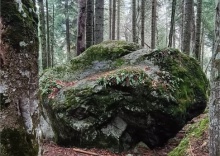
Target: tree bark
[(19, 78), (174, 36), (48, 37), (89, 22), (182, 24), (187, 26), (99, 21), (134, 21), (202, 47), (110, 19), (67, 30), (153, 23), (172, 23), (52, 39), (214, 108), (42, 37), (118, 19), (193, 32), (198, 30), (113, 19), (142, 21)]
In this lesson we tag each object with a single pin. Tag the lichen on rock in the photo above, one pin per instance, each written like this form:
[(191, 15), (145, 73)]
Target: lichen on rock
[(132, 96)]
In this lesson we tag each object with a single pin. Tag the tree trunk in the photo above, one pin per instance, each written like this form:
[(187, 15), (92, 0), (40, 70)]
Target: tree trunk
[(48, 37), (67, 30), (118, 20), (214, 108), (187, 26), (182, 24), (110, 19), (142, 21), (172, 23), (113, 19), (193, 32), (134, 21), (42, 37), (198, 30), (202, 46), (89, 22), (174, 36), (19, 79), (99, 21), (52, 40), (153, 23)]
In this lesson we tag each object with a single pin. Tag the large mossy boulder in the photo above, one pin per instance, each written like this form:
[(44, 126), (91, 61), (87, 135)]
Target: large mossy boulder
[(115, 95)]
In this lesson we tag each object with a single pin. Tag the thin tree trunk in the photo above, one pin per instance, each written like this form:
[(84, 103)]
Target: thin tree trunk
[(193, 32), (52, 44), (187, 26), (214, 108), (142, 21), (153, 23), (182, 24), (99, 21), (42, 34), (134, 22), (198, 30), (174, 36), (110, 19), (113, 19), (118, 20), (202, 47), (67, 30), (89, 22), (172, 23), (48, 37)]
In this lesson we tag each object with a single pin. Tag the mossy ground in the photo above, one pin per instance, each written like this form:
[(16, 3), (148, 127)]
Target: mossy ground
[(195, 131), (16, 142)]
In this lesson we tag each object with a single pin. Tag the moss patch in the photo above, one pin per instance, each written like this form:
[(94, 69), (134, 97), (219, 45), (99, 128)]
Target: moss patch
[(183, 69), (23, 22), (17, 143), (107, 50), (195, 131)]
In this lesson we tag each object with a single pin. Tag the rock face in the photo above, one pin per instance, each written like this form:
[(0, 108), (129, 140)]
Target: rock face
[(116, 95)]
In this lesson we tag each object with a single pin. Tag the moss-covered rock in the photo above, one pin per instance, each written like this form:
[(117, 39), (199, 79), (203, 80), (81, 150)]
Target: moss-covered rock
[(118, 100)]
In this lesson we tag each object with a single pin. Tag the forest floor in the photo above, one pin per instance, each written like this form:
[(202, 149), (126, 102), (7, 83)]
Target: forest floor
[(197, 146)]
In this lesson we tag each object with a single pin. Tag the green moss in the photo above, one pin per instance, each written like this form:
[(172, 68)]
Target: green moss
[(107, 50), (195, 131), (119, 62), (187, 76), (17, 143), (25, 25)]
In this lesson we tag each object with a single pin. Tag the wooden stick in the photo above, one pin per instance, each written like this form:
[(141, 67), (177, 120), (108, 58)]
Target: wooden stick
[(86, 152)]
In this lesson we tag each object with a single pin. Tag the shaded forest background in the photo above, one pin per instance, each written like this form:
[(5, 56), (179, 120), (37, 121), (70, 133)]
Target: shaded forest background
[(68, 27)]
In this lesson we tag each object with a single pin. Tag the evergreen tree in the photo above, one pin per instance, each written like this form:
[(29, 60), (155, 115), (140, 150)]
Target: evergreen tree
[(99, 21)]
